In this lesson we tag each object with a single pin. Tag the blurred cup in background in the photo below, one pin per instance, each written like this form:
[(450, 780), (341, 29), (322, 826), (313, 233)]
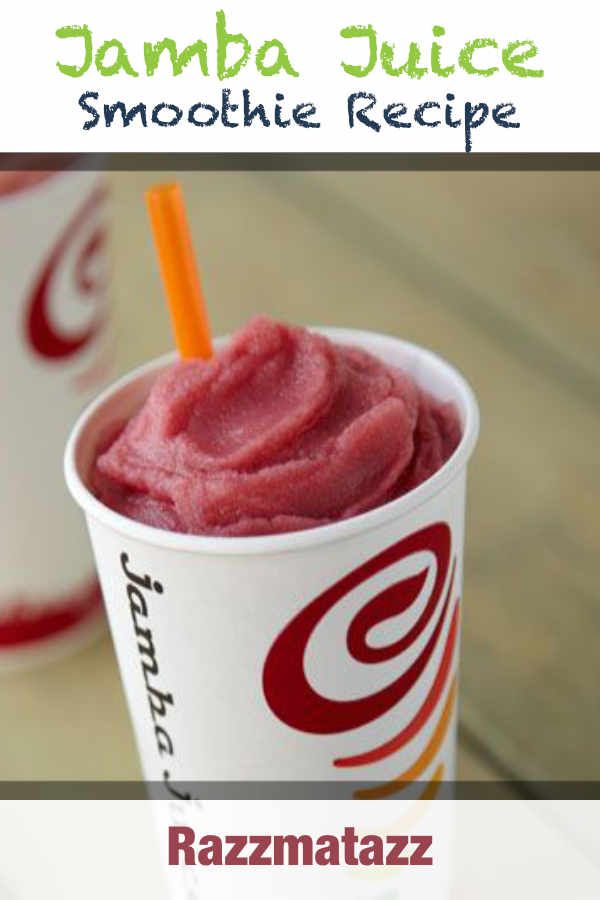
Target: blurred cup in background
[(56, 352)]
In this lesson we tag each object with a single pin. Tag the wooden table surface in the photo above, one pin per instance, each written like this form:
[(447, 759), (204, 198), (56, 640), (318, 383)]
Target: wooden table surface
[(498, 272)]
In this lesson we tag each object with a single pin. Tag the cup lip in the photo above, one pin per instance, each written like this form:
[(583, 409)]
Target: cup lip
[(293, 540)]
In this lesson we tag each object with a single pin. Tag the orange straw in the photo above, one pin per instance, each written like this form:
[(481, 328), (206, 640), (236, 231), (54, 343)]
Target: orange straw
[(180, 277)]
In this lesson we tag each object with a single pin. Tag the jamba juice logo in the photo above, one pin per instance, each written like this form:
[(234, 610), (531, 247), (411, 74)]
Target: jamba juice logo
[(295, 702), (78, 253)]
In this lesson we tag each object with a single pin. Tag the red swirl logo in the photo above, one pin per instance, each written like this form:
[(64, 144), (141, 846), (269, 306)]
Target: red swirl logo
[(81, 245), (295, 702)]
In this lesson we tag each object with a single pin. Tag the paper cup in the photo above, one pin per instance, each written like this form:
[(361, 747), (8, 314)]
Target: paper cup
[(55, 357), (270, 658)]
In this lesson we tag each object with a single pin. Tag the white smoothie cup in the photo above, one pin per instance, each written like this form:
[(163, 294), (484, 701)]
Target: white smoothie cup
[(233, 651)]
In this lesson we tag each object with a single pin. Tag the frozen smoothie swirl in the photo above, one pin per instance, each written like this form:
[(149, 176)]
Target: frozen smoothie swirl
[(282, 430)]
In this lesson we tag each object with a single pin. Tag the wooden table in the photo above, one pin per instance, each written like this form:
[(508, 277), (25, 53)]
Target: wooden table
[(498, 272)]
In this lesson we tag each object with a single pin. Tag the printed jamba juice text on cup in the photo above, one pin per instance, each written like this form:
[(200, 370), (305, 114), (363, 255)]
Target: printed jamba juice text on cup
[(55, 356)]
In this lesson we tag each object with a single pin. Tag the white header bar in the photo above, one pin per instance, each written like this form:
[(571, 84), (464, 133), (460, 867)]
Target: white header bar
[(350, 76)]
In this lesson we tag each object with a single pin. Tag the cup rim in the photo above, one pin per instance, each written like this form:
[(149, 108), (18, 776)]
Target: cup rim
[(293, 540)]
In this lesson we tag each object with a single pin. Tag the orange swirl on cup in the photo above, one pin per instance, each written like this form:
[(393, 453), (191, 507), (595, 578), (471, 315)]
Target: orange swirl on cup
[(425, 758)]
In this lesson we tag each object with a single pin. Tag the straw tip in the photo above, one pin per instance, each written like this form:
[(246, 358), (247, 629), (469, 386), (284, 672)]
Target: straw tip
[(162, 191)]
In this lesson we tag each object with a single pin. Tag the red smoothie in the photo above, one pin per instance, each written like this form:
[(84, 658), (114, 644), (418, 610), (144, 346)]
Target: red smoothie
[(282, 430)]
